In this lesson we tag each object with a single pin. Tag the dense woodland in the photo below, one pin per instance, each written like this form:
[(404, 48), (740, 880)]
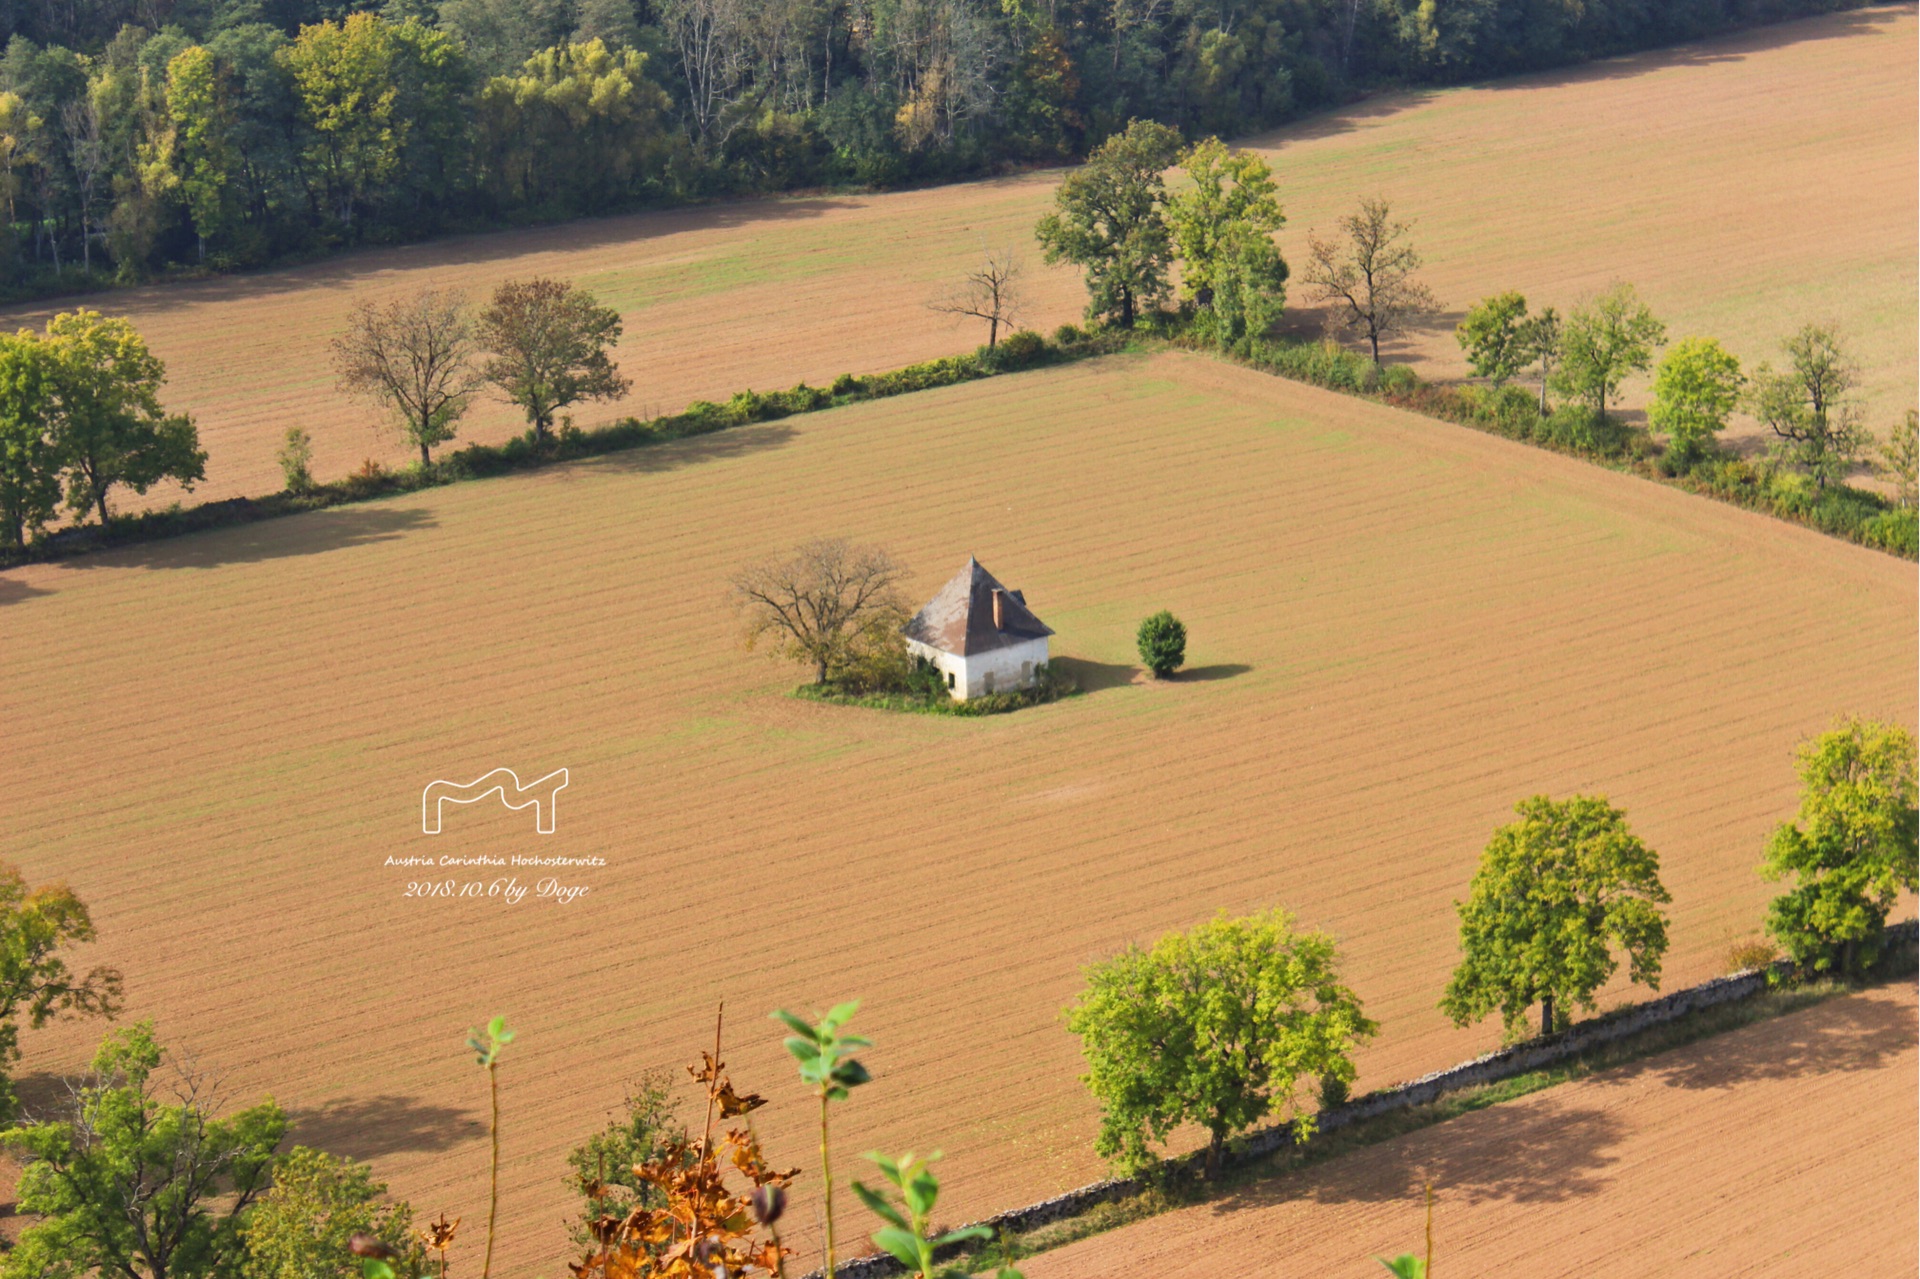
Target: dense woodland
[(139, 136)]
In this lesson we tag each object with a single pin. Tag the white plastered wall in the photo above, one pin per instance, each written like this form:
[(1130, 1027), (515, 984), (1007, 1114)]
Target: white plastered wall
[(994, 671)]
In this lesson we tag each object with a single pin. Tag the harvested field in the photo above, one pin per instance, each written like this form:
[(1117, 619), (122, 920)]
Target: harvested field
[(1784, 1148), (1745, 184), (1399, 628)]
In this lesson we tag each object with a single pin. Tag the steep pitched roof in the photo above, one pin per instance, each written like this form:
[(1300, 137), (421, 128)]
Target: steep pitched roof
[(973, 613)]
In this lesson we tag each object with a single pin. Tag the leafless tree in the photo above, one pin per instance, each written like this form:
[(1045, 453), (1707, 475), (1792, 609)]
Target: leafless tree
[(1368, 278), (824, 604), (712, 38), (80, 122), (939, 56), (415, 357), (990, 292)]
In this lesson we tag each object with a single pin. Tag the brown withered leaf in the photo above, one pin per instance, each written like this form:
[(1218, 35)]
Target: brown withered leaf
[(732, 1104), (438, 1235)]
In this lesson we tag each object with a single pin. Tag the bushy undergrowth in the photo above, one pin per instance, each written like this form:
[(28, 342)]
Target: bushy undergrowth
[(1018, 351), (1513, 411), (923, 692)]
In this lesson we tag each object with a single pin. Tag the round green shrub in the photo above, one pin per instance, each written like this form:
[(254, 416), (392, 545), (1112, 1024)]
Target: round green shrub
[(1021, 348), (1163, 643)]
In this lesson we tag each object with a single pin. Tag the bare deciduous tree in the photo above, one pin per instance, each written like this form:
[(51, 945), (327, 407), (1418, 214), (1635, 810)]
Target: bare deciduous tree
[(823, 604), (414, 356), (990, 292), (80, 122), (1369, 278)]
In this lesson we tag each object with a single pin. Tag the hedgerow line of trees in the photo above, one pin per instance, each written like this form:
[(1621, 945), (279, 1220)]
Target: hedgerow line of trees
[(80, 415), (142, 1171), (139, 134)]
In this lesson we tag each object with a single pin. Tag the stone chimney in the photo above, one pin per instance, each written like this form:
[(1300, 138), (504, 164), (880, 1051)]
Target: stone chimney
[(999, 610)]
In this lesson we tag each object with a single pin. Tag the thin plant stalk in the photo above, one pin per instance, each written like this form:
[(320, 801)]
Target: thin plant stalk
[(826, 1177), (493, 1172), (1428, 1271)]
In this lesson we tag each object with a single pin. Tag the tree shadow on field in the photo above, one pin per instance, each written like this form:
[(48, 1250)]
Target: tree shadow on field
[(13, 590), (43, 1093), (1732, 46), (309, 533), (1848, 1035), (673, 455), (371, 1127), (1090, 676), (507, 248), (1208, 674), (1511, 1154)]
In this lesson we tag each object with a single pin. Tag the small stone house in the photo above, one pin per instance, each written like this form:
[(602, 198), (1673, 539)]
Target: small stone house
[(979, 634)]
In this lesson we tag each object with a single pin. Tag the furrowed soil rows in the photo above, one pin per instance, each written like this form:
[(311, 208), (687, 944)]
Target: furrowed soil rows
[(1398, 629), (1784, 1148), (1746, 185)]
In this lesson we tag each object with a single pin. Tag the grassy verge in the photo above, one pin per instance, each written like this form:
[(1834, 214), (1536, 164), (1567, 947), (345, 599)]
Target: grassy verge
[(1025, 350), (1179, 1191)]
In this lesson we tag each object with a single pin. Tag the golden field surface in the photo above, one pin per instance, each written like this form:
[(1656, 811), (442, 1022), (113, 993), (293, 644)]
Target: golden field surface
[(1746, 185), (1399, 628), (1781, 1149)]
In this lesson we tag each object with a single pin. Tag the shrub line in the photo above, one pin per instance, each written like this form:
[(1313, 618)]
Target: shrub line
[(1902, 942), (1845, 512), (1015, 353)]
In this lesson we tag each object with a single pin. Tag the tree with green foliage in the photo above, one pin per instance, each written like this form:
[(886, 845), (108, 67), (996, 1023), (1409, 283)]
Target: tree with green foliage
[(200, 101), (1607, 339), (1811, 406), (1852, 851), (1162, 641), (29, 457), (1899, 459), (1555, 893), (344, 75), (1366, 278), (1540, 340), (1494, 334), (1696, 387), (1218, 1026), (300, 1229), (107, 423), (141, 1177), (1222, 221), (37, 927), (549, 344), (1249, 285), (1110, 220), (602, 1165), (575, 128)]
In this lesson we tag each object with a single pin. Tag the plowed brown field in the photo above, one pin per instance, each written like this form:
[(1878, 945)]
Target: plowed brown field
[(1399, 628), (1745, 184), (1784, 1149)]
